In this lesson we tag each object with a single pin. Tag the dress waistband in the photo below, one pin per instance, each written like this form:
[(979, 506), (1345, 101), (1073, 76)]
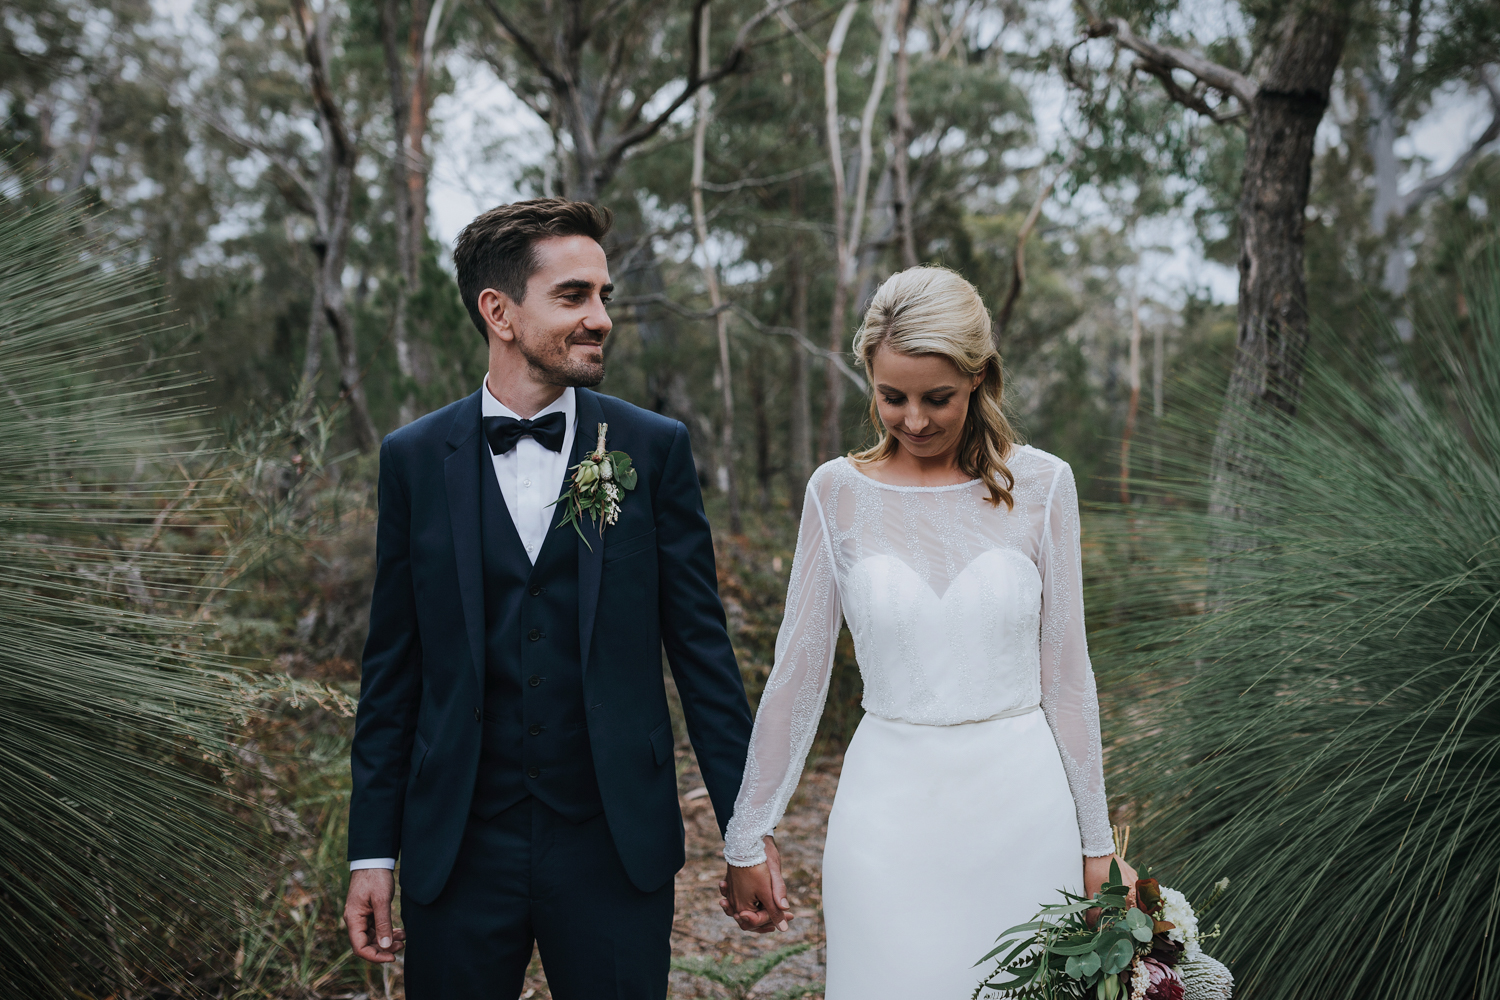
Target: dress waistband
[(1009, 713)]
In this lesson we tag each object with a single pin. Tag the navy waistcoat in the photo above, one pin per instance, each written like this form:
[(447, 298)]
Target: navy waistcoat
[(536, 739)]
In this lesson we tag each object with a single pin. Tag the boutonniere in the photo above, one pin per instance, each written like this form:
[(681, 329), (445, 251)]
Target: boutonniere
[(594, 488)]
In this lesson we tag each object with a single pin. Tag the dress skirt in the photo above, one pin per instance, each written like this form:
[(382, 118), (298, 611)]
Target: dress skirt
[(940, 838)]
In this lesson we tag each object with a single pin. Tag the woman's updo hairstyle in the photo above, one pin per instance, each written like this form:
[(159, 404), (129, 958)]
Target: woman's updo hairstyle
[(933, 311)]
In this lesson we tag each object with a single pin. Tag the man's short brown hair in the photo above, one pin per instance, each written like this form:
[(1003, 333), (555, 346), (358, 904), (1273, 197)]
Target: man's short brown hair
[(498, 249)]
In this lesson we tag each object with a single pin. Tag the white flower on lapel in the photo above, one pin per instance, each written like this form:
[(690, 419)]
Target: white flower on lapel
[(595, 486)]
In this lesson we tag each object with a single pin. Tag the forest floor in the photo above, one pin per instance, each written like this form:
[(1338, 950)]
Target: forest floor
[(700, 928)]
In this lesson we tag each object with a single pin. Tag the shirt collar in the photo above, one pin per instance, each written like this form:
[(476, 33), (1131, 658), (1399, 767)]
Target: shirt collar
[(566, 404)]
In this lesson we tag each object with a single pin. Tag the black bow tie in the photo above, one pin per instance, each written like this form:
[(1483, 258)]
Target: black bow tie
[(504, 432)]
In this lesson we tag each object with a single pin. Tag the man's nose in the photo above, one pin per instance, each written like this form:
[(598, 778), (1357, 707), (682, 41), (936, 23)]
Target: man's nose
[(597, 318)]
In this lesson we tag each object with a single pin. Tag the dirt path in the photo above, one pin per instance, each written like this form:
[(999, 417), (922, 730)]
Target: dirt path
[(700, 927)]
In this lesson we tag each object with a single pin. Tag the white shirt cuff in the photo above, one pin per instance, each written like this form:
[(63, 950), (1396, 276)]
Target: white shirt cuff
[(355, 866)]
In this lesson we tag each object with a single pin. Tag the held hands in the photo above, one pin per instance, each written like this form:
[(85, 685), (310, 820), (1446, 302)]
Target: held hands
[(367, 915), (756, 897)]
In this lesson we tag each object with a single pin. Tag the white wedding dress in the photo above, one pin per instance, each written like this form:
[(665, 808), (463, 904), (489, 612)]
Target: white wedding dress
[(974, 784)]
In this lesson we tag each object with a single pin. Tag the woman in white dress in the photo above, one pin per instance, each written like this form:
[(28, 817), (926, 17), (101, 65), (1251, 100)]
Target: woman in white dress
[(973, 788)]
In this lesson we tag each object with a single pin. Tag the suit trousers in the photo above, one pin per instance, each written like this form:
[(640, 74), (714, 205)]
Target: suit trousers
[(524, 875)]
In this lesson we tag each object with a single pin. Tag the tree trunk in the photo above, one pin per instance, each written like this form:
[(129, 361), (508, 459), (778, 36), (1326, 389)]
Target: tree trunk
[(1271, 348), (833, 383), (901, 129), (760, 415), (332, 210), (406, 260), (847, 244), (1133, 407), (336, 311), (799, 463), (711, 278)]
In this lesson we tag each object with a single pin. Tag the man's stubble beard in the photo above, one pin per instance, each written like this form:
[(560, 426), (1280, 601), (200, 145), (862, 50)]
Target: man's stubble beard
[(558, 368)]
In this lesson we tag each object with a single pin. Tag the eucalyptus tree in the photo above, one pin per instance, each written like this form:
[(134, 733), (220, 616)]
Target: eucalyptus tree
[(1274, 83), (1406, 55), (409, 166), (300, 69)]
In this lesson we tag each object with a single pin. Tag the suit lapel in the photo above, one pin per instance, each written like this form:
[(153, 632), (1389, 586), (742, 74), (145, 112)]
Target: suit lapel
[(590, 554), (461, 471)]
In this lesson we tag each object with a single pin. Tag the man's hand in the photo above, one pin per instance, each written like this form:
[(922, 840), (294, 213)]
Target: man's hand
[(756, 897), (367, 914)]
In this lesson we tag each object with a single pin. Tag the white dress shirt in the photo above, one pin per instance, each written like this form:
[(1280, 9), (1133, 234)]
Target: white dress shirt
[(531, 479)]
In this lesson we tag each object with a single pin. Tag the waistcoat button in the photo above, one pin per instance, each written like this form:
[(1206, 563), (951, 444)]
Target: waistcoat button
[(535, 680), (533, 772), (536, 591), (476, 715), (534, 634), (535, 730)]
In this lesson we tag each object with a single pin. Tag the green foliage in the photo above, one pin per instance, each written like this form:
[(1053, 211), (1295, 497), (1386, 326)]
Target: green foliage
[(1061, 954), (118, 833), (1325, 703), (739, 977)]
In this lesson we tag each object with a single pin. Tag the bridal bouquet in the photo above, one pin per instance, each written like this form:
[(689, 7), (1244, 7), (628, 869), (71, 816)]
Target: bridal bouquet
[(1149, 951)]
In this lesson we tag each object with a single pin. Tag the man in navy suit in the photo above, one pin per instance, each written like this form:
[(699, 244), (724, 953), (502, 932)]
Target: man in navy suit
[(513, 745)]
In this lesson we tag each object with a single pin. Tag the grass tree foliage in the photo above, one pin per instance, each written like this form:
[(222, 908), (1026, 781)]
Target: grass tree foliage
[(117, 832), (1327, 720)]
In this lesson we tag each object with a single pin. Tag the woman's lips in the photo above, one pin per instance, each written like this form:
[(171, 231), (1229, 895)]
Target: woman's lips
[(919, 438)]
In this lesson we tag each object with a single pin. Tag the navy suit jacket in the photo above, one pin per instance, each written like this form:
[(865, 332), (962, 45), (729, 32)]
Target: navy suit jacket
[(649, 583)]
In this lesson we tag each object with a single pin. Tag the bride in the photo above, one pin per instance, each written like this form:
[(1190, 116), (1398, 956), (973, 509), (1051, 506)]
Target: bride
[(973, 788)]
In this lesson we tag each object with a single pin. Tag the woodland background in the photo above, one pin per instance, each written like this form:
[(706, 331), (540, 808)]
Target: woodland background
[(1176, 212)]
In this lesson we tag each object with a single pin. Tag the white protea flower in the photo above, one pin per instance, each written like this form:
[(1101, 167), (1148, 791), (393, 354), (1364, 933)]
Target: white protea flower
[(1179, 912), (1205, 978), (1140, 980)]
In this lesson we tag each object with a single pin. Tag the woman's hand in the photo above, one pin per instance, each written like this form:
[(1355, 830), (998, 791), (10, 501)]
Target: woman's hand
[(1096, 873), (756, 897)]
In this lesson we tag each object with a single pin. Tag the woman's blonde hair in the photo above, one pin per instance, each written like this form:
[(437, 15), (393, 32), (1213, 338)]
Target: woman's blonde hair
[(933, 311)]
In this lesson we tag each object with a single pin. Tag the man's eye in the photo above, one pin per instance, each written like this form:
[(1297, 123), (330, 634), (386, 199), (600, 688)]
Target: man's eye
[(605, 298)]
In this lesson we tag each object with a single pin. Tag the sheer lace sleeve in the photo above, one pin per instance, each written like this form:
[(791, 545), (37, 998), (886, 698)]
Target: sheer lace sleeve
[(792, 703), (1068, 696)]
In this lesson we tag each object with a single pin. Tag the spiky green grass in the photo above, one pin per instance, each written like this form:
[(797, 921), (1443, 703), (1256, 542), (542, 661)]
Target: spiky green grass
[(117, 834), (1318, 717)]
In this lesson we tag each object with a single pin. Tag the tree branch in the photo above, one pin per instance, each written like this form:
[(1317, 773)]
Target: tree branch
[(753, 182), (322, 90), (1018, 266), (1169, 57), (836, 360), (529, 48), (695, 79), (1432, 185)]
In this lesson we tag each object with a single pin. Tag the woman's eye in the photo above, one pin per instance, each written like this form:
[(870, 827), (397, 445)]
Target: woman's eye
[(894, 400), (939, 401)]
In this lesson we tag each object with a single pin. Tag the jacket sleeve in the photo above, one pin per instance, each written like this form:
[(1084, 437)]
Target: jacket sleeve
[(694, 633), (391, 680)]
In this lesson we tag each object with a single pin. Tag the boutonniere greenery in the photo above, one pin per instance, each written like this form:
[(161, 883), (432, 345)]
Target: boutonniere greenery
[(594, 488)]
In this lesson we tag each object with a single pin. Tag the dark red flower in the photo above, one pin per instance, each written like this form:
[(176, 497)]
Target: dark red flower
[(1165, 950), (1148, 895), (1164, 983)]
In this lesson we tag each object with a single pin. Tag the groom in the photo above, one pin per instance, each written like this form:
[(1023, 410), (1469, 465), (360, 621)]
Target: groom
[(513, 745)]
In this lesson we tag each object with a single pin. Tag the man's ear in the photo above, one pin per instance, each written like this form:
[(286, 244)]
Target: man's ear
[(498, 310)]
